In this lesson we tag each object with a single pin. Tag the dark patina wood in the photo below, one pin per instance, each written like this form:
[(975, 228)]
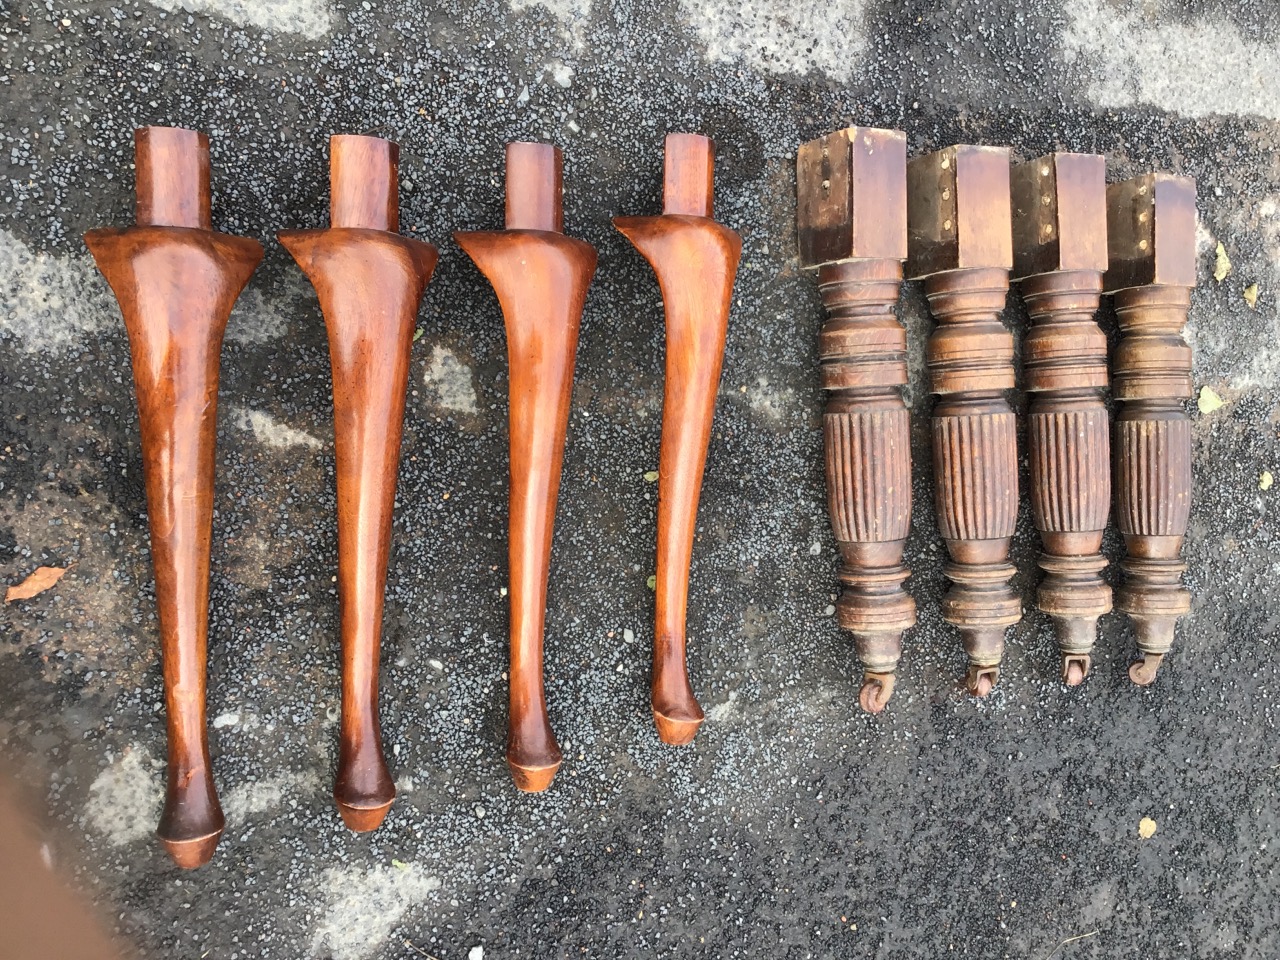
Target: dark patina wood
[(851, 223), (959, 242), (1151, 240), (696, 260), (370, 281), (541, 279), (176, 280), (1059, 257)]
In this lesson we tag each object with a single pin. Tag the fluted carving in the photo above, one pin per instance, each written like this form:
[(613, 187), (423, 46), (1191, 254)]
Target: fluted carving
[(852, 226), (1151, 241), (960, 241), (1060, 253)]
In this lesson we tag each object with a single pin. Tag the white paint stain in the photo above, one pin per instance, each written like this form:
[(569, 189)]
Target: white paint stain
[(768, 400), (262, 796), (309, 18), (782, 36), (720, 712), (364, 906), (254, 320), (126, 797), (1136, 54), (225, 720), (1262, 369), (449, 380), (267, 429), (572, 14), (50, 302)]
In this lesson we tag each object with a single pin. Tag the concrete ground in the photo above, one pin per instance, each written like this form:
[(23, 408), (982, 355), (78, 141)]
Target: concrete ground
[(795, 826)]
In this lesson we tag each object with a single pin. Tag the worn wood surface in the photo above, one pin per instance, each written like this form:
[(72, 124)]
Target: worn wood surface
[(176, 281), (959, 241), (1060, 254), (1151, 244), (851, 222)]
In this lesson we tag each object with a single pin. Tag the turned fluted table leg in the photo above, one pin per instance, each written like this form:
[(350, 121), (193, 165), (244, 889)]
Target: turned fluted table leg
[(1151, 228), (176, 280), (1060, 253), (960, 244), (852, 226)]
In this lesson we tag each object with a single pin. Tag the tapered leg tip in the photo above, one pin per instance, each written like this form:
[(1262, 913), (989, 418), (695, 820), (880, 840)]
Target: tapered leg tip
[(676, 731), (533, 779), (363, 819), (189, 854)]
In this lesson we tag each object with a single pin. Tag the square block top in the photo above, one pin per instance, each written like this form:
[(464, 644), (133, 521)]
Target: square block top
[(958, 211), (851, 196)]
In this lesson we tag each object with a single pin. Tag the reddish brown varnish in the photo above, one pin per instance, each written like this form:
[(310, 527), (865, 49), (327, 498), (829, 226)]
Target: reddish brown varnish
[(541, 279), (695, 259), (1059, 256), (370, 281), (851, 223), (959, 241), (176, 280), (1151, 242)]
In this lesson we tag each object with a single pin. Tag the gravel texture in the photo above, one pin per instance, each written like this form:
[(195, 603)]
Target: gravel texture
[(795, 826)]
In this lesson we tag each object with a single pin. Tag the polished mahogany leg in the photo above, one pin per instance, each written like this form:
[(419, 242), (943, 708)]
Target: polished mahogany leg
[(176, 280), (370, 281), (541, 279), (696, 260)]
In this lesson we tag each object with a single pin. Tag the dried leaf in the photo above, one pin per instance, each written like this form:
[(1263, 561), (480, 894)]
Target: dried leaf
[(651, 476), (1265, 480), (399, 864), (1222, 266), (1146, 828), (652, 581), (1209, 400), (38, 582), (1251, 296), (417, 334)]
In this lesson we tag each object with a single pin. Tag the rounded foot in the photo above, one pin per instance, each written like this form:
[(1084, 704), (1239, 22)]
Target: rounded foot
[(676, 731), (363, 819), (1143, 673), (1075, 667), (876, 690), (533, 779), (981, 680), (189, 854)]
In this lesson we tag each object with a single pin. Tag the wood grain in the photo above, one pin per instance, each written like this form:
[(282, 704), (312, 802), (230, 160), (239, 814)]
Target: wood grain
[(959, 236), (370, 282), (540, 277), (1060, 254), (176, 281), (851, 224), (695, 260), (1151, 226)]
